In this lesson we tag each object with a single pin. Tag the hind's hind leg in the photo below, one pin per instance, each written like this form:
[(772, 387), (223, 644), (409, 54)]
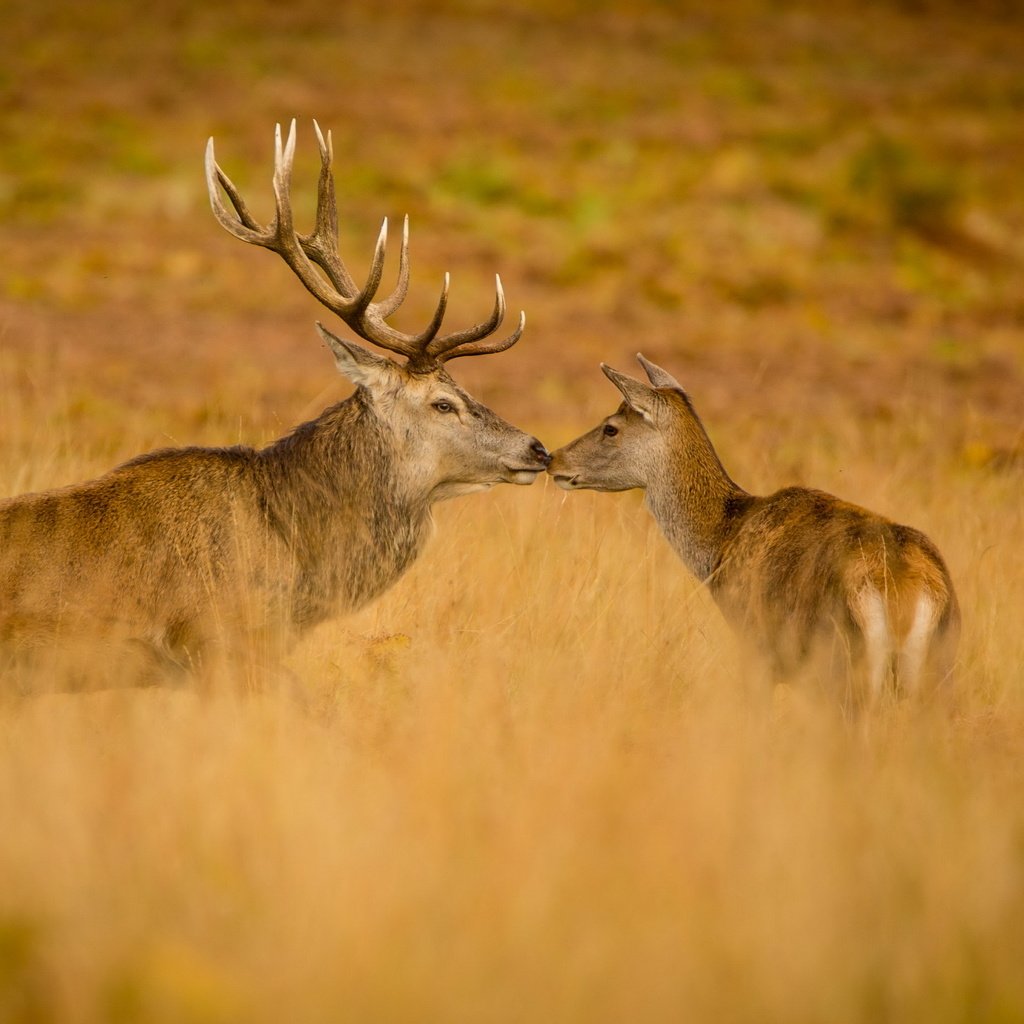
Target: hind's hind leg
[(927, 657), (917, 649), (871, 615)]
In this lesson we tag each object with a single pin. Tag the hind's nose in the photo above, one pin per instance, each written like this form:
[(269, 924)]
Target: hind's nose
[(543, 455)]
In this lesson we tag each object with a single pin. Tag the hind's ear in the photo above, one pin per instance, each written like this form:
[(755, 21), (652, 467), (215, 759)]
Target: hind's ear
[(639, 397), (355, 362), (656, 375)]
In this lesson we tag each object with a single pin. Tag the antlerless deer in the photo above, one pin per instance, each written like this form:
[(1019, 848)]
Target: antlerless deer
[(817, 584), (184, 555)]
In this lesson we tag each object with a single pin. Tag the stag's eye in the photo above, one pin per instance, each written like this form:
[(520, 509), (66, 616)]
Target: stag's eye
[(443, 406), (609, 430)]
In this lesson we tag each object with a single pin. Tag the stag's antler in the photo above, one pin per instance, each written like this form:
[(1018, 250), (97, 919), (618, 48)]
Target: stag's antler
[(332, 284)]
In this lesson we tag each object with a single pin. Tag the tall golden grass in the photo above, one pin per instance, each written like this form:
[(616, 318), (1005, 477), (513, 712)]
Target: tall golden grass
[(530, 784)]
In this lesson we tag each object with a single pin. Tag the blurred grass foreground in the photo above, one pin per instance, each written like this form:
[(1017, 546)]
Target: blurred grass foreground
[(531, 784)]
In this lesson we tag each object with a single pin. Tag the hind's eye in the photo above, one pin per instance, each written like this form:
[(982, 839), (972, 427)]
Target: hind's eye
[(609, 430), (443, 406)]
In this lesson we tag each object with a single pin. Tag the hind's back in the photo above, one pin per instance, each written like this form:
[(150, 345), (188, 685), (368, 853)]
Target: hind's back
[(808, 572)]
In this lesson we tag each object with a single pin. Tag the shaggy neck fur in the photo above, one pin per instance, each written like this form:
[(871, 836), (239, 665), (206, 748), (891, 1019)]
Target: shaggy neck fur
[(333, 492)]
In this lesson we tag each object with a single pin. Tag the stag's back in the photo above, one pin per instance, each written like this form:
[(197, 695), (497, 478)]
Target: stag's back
[(141, 551)]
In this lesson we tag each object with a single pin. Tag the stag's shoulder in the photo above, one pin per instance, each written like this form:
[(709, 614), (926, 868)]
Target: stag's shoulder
[(162, 469), (201, 480), (194, 467), (176, 474), (170, 460)]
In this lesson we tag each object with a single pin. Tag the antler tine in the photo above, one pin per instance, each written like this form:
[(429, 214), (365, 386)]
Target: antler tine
[(321, 245), (486, 349), (326, 207), (244, 226), (284, 158), (364, 298), (427, 335), (387, 306), (448, 347)]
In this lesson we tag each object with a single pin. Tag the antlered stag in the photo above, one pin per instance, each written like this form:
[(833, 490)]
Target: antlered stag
[(183, 557), (816, 583)]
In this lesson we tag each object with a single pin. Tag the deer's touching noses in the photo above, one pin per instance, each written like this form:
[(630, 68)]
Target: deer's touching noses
[(542, 454)]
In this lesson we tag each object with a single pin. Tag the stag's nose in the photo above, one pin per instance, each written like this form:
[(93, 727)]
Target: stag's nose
[(543, 455)]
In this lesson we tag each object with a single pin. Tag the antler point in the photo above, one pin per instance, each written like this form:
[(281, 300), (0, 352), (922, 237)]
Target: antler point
[(210, 161)]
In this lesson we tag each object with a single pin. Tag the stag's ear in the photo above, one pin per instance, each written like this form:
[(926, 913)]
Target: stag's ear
[(355, 362), (656, 375), (639, 397)]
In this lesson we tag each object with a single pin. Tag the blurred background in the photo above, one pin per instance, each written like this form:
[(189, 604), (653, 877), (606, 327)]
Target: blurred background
[(799, 210)]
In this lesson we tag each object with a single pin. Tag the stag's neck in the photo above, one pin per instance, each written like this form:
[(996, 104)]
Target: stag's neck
[(696, 503), (335, 494)]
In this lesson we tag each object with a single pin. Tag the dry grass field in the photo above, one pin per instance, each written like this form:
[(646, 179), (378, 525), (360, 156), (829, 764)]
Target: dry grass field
[(531, 783)]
